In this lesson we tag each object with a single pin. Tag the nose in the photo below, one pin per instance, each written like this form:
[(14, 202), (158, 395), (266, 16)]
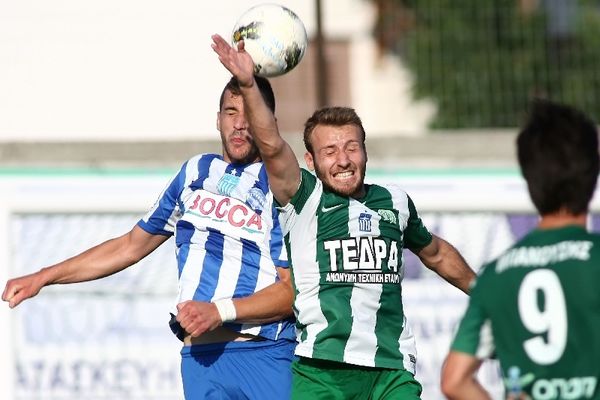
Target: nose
[(240, 123), (342, 159)]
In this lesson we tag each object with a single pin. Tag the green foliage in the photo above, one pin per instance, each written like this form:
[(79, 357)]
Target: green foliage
[(482, 61)]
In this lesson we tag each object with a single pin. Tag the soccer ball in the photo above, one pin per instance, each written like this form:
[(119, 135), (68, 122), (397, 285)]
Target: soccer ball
[(274, 37)]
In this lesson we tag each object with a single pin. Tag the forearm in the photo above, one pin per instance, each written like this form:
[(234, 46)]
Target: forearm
[(270, 304), (262, 121), (97, 262), (455, 271), (104, 259), (448, 263), (469, 389), (459, 377)]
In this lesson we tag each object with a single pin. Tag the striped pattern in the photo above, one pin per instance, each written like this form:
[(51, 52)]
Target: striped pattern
[(227, 233), (346, 259)]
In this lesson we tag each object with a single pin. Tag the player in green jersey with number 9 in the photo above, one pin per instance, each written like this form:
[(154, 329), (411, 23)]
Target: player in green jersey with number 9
[(345, 240), (538, 305)]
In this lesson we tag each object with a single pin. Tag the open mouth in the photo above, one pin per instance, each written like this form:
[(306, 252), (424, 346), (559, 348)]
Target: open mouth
[(343, 175)]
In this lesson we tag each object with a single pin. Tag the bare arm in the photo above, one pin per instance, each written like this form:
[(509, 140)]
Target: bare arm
[(269, 304), (281, 162), (272, 303), (442, 258), (458, 378), (97, 262)]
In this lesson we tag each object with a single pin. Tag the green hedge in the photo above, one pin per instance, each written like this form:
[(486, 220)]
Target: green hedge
[(482, 61)]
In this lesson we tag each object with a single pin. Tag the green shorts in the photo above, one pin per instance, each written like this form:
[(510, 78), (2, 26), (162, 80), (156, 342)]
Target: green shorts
[(330, 380)]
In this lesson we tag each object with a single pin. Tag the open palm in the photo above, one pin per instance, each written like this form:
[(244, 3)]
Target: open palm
[(237, 61)]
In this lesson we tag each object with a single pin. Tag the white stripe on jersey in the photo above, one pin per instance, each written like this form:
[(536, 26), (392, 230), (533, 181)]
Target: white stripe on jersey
[(190, 275), (362, 339), (408, 346), (400, 202), (307, 278), (355, 209), (230, 269)]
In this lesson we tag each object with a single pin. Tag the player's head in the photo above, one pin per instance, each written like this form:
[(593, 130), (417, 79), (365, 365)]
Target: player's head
[(335, 149), (238, 145), (558, 154)]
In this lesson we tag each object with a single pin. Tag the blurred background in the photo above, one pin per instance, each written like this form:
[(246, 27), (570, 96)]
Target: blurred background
[(102, 101)]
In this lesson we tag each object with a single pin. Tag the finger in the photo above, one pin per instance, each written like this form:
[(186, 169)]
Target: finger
[(241, 45), (198, 331), (9, 292), (181, 305), (219, 44), (16, 299), (218, 39)]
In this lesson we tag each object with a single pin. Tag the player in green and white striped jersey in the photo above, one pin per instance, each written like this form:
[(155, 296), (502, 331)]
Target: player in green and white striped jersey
[(344, 240), (538, 304)]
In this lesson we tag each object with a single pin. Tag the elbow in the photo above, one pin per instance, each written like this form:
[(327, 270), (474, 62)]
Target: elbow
[(450, 386), (271, 149)]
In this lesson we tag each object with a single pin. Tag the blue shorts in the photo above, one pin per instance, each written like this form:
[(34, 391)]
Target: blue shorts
[(238, 370)]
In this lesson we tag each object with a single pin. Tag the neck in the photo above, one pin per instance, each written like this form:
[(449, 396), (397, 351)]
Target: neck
[(562, 218), (360, 193)]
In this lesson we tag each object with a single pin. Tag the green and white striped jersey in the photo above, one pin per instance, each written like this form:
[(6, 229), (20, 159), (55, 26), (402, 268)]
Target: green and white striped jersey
[(347, 267), (538, 307)]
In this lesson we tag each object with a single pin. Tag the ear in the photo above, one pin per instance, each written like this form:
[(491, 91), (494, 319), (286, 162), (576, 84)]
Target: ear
[(308, 158), (219, 121)]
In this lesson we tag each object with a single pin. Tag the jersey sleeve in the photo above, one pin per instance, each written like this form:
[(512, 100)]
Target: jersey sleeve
[(474, 335), (416, 235), (164, 214), (288, 212), (307, 184)]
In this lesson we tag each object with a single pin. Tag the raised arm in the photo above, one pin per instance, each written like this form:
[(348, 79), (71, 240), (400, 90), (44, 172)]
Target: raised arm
[(442, 258), (281, 162), (97, 262)]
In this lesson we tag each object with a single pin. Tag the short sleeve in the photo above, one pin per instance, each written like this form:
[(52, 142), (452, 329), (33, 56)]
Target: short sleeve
[(164, 214), (416, 235), (474, 335)]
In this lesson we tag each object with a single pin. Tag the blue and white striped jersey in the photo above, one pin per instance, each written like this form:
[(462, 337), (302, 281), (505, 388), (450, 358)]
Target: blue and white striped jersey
[(227, 234)]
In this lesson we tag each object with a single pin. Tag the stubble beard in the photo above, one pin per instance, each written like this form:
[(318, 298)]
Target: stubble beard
[(345, 192)]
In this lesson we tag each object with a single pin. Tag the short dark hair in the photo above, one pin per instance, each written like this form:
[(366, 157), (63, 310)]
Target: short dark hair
[(264, 86), (558, 153), (333, 116)]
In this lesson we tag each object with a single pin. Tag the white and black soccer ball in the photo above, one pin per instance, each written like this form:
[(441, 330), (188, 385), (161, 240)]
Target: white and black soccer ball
[(274, 37)]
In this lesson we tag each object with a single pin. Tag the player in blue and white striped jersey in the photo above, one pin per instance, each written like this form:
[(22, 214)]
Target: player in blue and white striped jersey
[(233, 312)]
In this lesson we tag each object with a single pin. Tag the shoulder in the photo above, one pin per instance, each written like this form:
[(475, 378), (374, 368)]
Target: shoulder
[(205, 157), (393, 190), (309, 180)]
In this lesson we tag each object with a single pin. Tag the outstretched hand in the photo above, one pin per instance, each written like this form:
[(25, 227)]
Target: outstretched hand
[(19, 289), (237, 61)]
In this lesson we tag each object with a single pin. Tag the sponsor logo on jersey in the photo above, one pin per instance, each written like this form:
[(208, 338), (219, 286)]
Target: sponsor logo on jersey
[(228, 183), (225, 210), (362, 260), (579, 387), (539, 256), (388, 216), (327, 209), (364, 222), (256, 199), (357, 277)]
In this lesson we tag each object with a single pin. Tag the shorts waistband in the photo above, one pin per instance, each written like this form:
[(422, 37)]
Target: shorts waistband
[(197, 349)]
